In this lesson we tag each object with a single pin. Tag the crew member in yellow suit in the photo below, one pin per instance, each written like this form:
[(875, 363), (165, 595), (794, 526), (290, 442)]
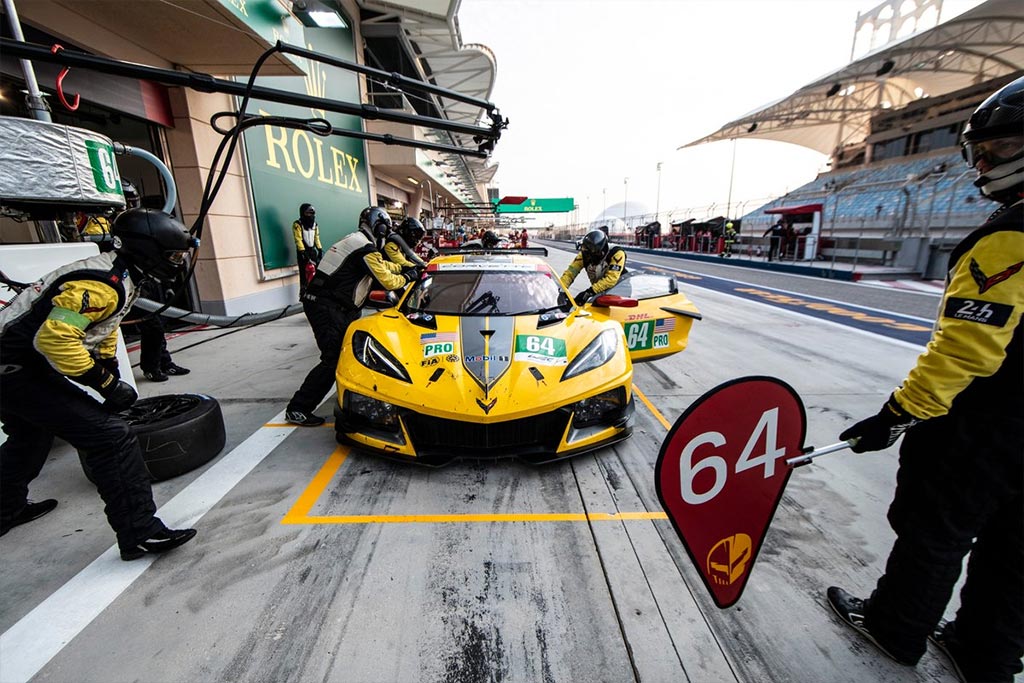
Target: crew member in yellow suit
[(605, 265)]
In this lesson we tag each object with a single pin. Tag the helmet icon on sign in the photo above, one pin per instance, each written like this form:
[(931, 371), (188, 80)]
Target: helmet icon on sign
[(728, 559)]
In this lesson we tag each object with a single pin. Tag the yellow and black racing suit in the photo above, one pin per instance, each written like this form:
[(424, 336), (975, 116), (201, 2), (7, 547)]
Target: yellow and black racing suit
[(307, 249), (60, 328), (959, 484), (603, 275), (398, 251), (333, 300)]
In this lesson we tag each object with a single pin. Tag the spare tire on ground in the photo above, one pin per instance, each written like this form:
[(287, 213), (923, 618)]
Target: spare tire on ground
[(177, 433)]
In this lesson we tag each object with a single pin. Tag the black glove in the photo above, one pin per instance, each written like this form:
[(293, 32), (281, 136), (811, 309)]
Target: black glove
[(110, 365), (120, 396), (305, 254), (317, 254), (411, 274), (583, 296), (881, 430)]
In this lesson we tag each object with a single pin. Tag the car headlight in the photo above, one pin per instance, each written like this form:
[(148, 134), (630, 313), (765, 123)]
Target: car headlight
[(598, 352), (373, 355), (597, 409), (378, 413)]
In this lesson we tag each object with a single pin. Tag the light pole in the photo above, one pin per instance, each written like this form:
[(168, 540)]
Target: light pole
[(625, 199), (732, 170), (657, 201)]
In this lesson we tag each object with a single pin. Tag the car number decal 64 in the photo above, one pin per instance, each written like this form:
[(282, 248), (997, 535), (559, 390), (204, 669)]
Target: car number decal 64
[(534, 348), (641, 336)]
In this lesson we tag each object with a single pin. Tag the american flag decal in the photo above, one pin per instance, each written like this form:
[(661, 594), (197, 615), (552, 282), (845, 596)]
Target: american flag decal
[(439, 338), (665, 325)]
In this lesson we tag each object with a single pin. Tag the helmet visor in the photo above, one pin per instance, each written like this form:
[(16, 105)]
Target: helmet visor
[(995, 152)]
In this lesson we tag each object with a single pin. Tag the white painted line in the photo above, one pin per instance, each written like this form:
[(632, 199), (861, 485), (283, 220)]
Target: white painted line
[(28, 645)]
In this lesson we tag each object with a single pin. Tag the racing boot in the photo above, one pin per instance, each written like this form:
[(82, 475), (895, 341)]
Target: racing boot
[(160, 542), (27, 514), (944, 638), (852, 610)]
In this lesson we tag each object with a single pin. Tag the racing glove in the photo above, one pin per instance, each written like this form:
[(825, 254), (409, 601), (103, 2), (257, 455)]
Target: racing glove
[(583, 297), (119, 396), (110, 365), (881, 430), (411, 274)]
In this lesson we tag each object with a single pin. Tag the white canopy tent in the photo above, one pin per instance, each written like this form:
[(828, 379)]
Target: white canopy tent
[(834, 111)]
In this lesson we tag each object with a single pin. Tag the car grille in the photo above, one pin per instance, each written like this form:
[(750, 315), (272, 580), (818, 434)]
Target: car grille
[(432, 436)]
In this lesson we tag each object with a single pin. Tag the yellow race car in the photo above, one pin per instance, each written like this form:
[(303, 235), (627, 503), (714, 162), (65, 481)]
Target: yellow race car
[(487, 356)]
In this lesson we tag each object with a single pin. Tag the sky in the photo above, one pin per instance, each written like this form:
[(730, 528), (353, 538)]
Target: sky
[(601, 91)]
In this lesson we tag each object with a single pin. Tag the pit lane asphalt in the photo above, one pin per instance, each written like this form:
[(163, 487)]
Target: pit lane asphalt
[(317, 563)]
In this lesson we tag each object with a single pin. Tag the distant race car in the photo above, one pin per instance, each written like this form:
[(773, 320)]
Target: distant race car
[(487, 356)]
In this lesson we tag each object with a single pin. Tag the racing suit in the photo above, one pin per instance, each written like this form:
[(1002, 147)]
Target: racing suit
[(333, 300), (307, 248), (603, 275), (61, 328), (958, 489), (397, 251)]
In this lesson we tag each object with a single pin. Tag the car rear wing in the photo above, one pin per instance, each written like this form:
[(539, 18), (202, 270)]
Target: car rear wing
[(499, 251)]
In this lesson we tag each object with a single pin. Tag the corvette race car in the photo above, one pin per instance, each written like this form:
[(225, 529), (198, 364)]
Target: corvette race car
[(487, 356)]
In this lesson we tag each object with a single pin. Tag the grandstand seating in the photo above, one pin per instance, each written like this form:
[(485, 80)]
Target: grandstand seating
[(906, 196)]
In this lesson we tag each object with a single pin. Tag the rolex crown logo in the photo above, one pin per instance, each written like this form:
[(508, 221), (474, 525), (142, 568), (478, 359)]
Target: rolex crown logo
[(316, 83)]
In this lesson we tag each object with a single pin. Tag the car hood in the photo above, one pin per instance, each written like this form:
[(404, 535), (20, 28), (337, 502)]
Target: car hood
[(493, 367)]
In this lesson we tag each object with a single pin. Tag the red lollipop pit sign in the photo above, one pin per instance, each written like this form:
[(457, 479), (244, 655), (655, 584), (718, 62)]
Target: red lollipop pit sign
[(722, 471)]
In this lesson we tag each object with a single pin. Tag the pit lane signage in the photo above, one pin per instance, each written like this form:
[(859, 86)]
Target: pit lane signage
[(531, 205), (721, 473)]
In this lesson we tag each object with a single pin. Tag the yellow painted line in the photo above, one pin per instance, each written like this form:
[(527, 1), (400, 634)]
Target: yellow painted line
[(463, 518), (650, 406), (299, 513)]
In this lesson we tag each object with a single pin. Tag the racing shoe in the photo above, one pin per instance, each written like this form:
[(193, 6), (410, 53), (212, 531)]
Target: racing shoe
[(944, 638), (303, 419), (156, 376), (851, 610), (160, 542), (28, 513), (176, 370)]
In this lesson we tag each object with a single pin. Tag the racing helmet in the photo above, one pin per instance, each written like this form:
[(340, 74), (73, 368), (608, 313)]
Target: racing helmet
[(152, 242), (411, 230), (132, 200), (375, 223), (490, 239), (594, 247), (993, 143)]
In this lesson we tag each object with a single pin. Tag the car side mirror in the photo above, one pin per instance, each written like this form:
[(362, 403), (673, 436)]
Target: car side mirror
[(380, 298)]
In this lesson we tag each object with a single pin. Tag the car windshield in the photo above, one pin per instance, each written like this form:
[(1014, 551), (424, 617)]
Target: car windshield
[(485, 289)]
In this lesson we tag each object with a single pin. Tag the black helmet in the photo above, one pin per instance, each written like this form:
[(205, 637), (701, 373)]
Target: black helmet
[(995, 135), (153, 242), (132, 200), (490, 240), (411, 231), (594, 246), (375, 223)]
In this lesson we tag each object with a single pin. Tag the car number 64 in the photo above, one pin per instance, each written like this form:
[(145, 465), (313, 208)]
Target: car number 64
[(688, 469)]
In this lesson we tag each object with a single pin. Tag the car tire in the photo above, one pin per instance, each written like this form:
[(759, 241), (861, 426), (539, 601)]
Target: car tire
[(177, 433)]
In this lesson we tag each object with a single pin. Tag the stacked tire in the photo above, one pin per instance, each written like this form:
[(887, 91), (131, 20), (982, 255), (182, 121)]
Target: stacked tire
[(177, 433)]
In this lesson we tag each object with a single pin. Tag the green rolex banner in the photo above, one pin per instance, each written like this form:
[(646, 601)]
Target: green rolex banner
[(289, 167)]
